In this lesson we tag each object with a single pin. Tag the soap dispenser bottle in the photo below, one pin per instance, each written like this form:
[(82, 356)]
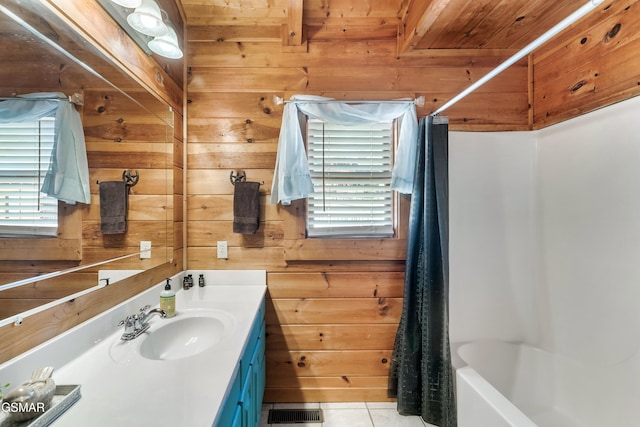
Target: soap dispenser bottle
[(168, 300)]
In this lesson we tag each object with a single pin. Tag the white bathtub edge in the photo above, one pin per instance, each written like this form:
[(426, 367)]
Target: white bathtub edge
[(481, 405)]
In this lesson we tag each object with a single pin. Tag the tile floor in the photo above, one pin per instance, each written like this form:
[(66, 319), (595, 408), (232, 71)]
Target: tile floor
[(351, 414)]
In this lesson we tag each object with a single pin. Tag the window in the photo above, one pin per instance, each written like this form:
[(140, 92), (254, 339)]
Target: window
[(351, 169), (25, 152)]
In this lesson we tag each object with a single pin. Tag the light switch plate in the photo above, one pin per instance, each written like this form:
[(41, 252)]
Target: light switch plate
[(145, 249), (223, 250)]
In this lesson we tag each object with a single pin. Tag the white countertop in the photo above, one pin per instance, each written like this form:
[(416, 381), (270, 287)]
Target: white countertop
[(121, 390)]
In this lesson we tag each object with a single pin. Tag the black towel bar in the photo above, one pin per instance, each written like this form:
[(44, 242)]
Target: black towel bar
[(129, 178), (240, 177)]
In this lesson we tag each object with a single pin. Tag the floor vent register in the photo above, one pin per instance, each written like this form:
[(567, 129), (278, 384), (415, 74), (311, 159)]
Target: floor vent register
[(294, 416)]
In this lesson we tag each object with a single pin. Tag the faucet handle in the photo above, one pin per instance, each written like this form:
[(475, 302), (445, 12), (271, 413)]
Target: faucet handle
[(139, 320), (144, 309), (128, 324), (126, 321)]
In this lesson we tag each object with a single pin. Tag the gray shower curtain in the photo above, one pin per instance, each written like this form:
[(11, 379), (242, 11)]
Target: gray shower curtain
[(421, 375)]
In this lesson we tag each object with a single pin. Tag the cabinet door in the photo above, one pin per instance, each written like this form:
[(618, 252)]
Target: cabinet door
[(258, 371), (230, 405), (237, 417), (252, 390), (246, 403)]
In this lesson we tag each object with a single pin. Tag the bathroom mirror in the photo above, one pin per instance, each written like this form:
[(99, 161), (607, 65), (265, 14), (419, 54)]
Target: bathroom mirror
[(126, 129)]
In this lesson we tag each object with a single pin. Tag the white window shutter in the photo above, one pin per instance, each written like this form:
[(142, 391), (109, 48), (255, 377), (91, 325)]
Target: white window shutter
[(25, 153), (351, 171)]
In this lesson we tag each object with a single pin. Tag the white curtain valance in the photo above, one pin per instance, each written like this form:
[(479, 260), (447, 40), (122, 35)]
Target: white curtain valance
[(292, 180), (68, 176)]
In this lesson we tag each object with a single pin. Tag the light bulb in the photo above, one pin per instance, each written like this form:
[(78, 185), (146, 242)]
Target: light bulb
[(131, 4), (167, 45), (147, 19)]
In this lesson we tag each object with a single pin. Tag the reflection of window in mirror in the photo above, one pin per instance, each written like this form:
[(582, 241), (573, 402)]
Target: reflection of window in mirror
[(33, 226), (25, 153)]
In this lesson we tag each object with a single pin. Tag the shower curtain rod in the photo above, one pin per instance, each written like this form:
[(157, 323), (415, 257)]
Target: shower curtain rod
[(419, 101), (586, 8), (7, 98), (76, 98)]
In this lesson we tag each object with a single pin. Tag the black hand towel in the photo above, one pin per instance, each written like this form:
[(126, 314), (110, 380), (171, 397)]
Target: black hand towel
[(113, 207), (246, 207)]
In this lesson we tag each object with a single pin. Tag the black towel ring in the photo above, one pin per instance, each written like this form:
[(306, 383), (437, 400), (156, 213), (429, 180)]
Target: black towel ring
[(130, 179), (241, 177)]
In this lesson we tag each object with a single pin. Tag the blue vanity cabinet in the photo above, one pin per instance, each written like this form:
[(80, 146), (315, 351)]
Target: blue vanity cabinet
[(230, 410), (253, 391), (243, 404)]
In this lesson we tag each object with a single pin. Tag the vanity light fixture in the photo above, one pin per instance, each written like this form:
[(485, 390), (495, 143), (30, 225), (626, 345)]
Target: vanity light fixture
[(167, 45), (131, 4), (147, 19), (147, 24)]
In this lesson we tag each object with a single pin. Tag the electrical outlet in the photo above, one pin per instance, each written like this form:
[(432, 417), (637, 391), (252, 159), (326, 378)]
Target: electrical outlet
[(223, 250), (145, 250)]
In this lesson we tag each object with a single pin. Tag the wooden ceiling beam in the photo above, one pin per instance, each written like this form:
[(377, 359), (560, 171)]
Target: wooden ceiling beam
[(292, 30), (417, 21)]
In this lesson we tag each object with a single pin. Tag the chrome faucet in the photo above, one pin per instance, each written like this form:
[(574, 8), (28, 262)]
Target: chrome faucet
[(136, 324)]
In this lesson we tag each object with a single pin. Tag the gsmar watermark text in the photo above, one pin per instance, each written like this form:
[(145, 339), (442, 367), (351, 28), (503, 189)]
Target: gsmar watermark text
[(32, 407)]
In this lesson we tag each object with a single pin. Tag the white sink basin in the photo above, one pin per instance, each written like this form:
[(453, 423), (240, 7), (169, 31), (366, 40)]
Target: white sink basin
[(185, 336)]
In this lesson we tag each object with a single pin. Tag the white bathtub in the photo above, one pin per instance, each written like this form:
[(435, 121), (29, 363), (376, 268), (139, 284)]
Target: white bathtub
[(503, 384)]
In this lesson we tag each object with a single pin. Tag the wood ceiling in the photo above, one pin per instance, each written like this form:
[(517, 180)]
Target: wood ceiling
[(416, 24)]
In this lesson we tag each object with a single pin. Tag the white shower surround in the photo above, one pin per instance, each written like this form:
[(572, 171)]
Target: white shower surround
[(545, 247)]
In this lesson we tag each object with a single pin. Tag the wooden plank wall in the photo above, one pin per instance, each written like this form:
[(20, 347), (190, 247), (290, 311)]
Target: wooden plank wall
[(330, 334), (121, 136), (330, 322), (590, 66)]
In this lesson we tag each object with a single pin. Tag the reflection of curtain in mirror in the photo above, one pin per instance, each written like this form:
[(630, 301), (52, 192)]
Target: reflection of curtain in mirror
[(68, 176)]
